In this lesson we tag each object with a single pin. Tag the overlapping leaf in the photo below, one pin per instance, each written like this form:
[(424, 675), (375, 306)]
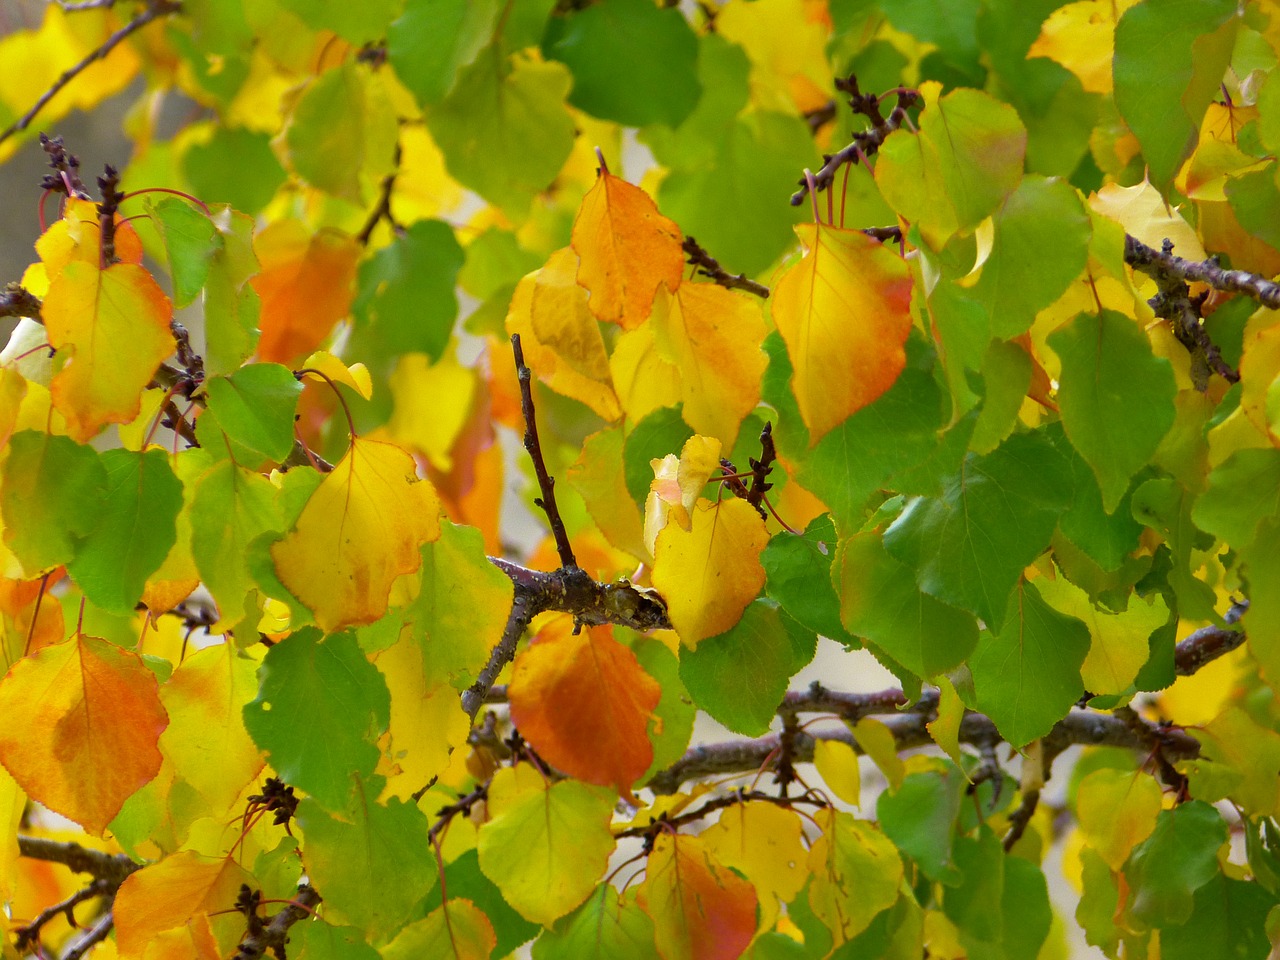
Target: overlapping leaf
[(701, 910)]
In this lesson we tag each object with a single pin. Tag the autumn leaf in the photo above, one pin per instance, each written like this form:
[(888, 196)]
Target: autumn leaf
[(627, 250), (843, 310), (678, 483), (856, 873), (765, 843), (604, 739), (457, 929), (360, 529), (78, 236), (84, 721)]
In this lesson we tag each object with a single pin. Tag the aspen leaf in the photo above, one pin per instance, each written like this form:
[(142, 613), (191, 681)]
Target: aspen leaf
[(456, 929), (701, 910), (856, 873), (627, 250), (112, 326), (765, 843), (837, 764), (361, 528), (1117, 810), (85, 717), (604, 739), (709, 574), (843, 310)]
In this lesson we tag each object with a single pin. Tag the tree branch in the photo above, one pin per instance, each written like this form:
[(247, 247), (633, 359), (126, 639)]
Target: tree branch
[(708, 266), (275, 934), (111, 867)]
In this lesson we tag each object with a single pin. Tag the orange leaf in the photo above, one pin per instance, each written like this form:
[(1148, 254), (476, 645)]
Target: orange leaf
[(627, 249), (604, 738), (360, 530), (112, 328), (700, 909), (844, 312), (709, 574), (82, 722), (178, 892), (307, 282), (78, 236)]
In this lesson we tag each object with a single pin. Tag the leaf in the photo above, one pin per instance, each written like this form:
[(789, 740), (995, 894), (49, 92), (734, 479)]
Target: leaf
[(966, 158), (1027, 675), (51, 498), (764, 843), (171, 896), (1117, 810), (856, 873), (604, 739), (456, 929), (1237, 500), (433, 39), (504, 131), (879, 600), (672, 720), (601, 929), (920, 816), (320, 707), (837, 764), (709, 574), (970, 545), (84, 721), (375, 865), (844, 311), (465, 881), (235, 166), (1107, 365), (135, 529), (798, 576), (701, 910), (361, 528), (877, 741), (1228, 920), (546, 846), (1081, 37), (255, 408), (231, 305), (357, 25), (112, 329), (324, 941), (306, 285), (1179, 858), (1233, 740), (739, 677), (190, 241), (626, 250), (945, 730)]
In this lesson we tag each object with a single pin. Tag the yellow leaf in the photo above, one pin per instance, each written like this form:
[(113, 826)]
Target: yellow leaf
[(876, 741), (701, 911), (1245, 747), (712, 336), (627, 250), (643, 379), (561, 337), (764, 843), (1117, 810), (360, 529), (355, 376), (457, 929), (432, 404), (945, 730), (112, 329), (837, 764), (843, 310), (786, 41), (171, 894), (678, 483), (1142, 211), (1081, 37), (709, 574)]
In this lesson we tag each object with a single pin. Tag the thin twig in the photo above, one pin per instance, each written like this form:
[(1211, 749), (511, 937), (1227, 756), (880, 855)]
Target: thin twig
[(524, 607), (274, 935), (105, 866), (383, 210), (154, 10), (90, 938), (708, 266)]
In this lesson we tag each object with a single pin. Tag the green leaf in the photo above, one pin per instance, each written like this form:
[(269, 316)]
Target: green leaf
[(231, 305), (136, 527), (321, 940), (406, 300), (1026, 909), (434, 39), (1170, 56), (1106, 538), (797, 573), (601, 929), (255, 407), (1006, 377), (190, 242), (375, 865), (1027, 675), (969, 904), (1099, 902), (355, 23), (1108, 366), (879, 600), (1165, 506), (969, 546), (505, 133), (740, 676), (320, 708), (235, 166), (920, 818), (1041, 244), (1243, 491), (672, 723), (723, 72), (51, 492), (661, 432), (1228, 922), (1179, 858), (631, 62), (465, 881)]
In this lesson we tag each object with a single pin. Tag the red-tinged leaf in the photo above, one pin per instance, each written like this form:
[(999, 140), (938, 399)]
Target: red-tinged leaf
[(843, 310), (710, 573), (765, 843), (82, 722), (701, 910), (603, 739), (183, 890), (111, 327), (457, 929), (306, 285), (362, 528), (627, 250)]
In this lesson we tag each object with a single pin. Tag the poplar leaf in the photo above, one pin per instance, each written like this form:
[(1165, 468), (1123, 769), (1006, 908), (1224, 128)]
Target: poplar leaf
[(361, 528), (180, 892), (843, 310), (84, 720), (701, 910), (1117, 810)]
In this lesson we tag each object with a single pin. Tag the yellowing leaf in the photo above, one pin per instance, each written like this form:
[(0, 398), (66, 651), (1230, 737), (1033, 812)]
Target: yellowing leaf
[(83, 720), (111, 327), (360, 529), (78, 236), (1143, 213), (786, 41), (710, 573), (457, 929), (700, 909), (355, 376), (712, 337), (677, 484), (432, 404), (546, 845), (843, 310), (945, 730), (1117, 810), (600, 479), (877, 742), (1238, 742), (627, 250), (764, 843), (1081, 37), (643, 379), (560, 336), (856, 873), (837, 764), (306, 285), (604, 739)]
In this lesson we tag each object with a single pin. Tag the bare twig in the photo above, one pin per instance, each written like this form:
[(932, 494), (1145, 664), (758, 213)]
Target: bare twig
[(1152, 261), (383, 210), (153, 11), (274, 934), (29, 933), (708, 266), (90, 938), (719, 803), (17, 301), (112, 867), (524, 607)]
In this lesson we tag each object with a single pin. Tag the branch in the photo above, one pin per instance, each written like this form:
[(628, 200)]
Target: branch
[(526, 605), (383, 210), (111, 867), (275, 934), (154, 10), (1152, 262), (708, 266)]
